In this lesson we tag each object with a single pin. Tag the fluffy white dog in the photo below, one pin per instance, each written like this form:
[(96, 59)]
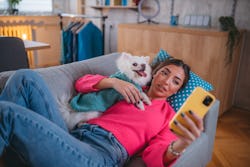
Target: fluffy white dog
[(134, 69)]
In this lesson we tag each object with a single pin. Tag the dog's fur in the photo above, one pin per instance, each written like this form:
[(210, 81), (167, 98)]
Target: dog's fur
[(136, 68)]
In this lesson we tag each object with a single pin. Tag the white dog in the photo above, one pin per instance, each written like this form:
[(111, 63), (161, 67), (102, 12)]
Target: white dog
[(134, 69)]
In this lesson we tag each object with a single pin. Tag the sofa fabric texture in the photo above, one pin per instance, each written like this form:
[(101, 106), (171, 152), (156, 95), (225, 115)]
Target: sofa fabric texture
[(60, 80)]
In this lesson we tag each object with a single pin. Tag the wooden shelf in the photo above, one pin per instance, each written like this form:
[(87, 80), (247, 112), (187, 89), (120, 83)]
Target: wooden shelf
[(105, 9)]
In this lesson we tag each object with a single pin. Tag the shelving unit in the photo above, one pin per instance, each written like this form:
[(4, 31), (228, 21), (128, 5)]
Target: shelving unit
[(105, 9), (81, 6), (114, 7)]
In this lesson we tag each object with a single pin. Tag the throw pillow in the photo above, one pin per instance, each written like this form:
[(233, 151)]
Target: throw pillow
[(180, 97)]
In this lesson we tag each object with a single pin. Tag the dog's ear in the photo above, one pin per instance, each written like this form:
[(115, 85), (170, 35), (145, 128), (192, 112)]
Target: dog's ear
[(121, 61), (147, 58), (125, 56)]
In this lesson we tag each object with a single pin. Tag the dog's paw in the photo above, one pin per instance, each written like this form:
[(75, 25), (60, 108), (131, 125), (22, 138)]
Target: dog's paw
[(148, 102), (146, 99), (140, 105)]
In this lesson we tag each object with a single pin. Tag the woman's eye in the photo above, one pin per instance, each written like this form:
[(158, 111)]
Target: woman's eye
[(135, 64), (164, 72), (176, 82)]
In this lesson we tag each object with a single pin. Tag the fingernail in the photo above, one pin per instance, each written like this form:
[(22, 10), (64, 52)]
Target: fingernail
[(175, 122), (190, 112), (183, 115)]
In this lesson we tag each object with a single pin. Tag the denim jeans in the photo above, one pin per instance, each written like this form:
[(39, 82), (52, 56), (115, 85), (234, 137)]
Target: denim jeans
[(32, 126)]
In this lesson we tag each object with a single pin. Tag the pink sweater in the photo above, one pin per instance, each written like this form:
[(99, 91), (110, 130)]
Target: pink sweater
[(136, 130)]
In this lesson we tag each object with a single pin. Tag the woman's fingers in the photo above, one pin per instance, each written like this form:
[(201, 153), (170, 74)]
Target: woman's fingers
[(130, 93), (191, 127), (197, 119), (186, 133)]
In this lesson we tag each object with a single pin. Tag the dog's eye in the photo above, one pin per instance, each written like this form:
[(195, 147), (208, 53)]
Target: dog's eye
[(135, 64)]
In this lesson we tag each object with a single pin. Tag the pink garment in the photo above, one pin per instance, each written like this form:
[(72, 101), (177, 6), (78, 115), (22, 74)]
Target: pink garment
[(136, 130)]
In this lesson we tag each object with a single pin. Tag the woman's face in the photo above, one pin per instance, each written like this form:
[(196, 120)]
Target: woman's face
[(167, 81)]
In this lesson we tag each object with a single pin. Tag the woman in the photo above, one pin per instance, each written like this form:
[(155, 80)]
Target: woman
[(41, 139)]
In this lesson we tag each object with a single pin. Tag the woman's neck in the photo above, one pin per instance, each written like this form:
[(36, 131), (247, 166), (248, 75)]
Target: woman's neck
[(152, 96)]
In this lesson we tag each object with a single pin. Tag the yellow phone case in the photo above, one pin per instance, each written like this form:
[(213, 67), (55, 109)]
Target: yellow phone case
[(198, 102)]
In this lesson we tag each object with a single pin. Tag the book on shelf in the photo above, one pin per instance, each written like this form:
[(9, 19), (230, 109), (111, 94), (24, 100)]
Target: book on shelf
[(116, 2)]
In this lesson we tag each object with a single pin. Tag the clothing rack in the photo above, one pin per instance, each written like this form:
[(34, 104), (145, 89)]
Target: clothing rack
[(103, 19)]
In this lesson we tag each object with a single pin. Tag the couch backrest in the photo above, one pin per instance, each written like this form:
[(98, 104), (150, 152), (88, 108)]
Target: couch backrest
[(61, 78)]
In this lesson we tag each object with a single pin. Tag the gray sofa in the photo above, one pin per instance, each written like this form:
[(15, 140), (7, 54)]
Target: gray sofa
[(61, 79)]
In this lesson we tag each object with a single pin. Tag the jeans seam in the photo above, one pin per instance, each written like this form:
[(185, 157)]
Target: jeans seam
[(42, 94), (114, 143)]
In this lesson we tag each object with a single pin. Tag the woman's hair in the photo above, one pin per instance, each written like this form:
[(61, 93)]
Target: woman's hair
[(176, 62)]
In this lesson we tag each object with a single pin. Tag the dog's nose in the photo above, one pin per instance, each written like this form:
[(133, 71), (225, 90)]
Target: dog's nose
[(143, 66)]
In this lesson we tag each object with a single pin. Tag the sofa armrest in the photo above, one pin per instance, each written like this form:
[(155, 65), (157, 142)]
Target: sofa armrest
[(199, 153)]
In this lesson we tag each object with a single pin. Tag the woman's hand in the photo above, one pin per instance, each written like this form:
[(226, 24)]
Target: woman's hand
[(190, 132), (130, 93)]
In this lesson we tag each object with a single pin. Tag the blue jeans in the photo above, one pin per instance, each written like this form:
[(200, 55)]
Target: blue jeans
[(32, 126)]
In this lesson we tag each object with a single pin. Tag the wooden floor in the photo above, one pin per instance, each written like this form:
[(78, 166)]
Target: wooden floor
[(232, 141)]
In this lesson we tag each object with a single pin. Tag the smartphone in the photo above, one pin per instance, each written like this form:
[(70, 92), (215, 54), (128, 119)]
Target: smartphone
[(199, 102)]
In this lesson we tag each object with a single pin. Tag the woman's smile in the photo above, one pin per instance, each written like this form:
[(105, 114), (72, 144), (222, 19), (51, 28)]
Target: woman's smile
[(162, 88)]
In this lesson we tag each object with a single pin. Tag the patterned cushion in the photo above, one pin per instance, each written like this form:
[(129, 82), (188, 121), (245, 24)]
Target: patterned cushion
[(180, 97)]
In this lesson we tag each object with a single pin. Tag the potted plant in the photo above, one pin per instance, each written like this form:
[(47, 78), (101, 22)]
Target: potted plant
[(12, 6), (227, 24)]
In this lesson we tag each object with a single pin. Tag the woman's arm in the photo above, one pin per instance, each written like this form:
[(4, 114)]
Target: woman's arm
[(86, 83), (90, 83)]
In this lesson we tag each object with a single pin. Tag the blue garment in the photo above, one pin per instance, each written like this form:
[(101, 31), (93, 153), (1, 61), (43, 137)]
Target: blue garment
[(67, 43), (85, 43), (101, 100), (33, 126), (90, 42)]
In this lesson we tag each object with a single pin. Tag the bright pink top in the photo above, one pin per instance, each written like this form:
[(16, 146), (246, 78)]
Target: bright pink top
[(136, 130)]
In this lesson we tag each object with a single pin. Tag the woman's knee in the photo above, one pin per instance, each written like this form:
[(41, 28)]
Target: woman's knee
[(23, 73), (5, 105)]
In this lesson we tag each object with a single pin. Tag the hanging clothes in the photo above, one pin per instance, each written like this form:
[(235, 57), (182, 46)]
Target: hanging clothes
[(67, 45), (74, 41), (81, 41), (90, 41)]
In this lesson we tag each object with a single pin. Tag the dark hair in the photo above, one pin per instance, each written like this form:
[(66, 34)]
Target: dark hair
[(176, 62)]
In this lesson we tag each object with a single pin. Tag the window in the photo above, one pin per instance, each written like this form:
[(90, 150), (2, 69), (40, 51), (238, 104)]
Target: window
[(3, 4), (30, 5)]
